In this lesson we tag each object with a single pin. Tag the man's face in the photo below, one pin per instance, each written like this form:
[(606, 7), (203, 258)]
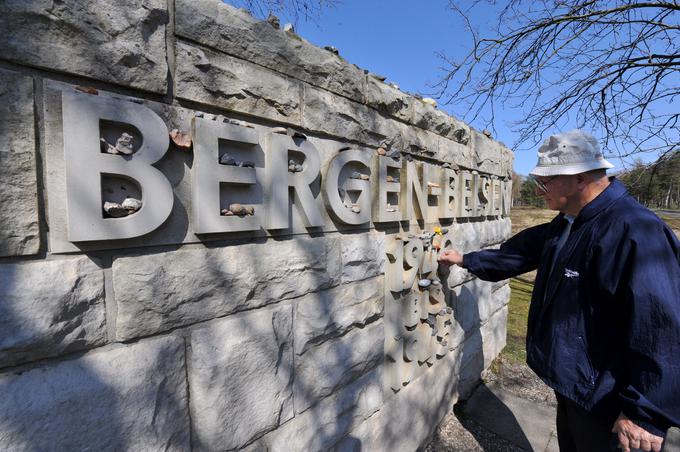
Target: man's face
[(557, 191)]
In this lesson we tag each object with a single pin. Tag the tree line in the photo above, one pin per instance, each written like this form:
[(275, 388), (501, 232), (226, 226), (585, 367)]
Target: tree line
[(655, 185)]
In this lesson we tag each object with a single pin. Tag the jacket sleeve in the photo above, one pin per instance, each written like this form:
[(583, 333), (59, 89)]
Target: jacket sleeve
[(648, 262), (517, 255)]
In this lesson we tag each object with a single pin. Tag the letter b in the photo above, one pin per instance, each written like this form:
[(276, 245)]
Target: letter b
[(85, 164)]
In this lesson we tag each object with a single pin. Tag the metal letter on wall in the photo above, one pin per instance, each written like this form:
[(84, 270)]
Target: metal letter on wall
[(431, 183), (346, 187), (277, 148), (484, 191), (506, 190), (413, 186), (418, 322), (468, 194), (85, 164), (208, 174), (496, 196), (450, 195), (386, 188)]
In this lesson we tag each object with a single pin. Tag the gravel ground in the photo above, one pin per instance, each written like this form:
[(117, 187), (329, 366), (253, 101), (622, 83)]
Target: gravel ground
[(458, 434), (520, 380)]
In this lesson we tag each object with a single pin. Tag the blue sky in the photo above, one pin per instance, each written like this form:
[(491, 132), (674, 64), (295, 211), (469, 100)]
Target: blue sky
[(399, 39)]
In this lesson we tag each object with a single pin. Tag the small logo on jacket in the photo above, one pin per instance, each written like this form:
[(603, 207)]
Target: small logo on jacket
[(570, 273)]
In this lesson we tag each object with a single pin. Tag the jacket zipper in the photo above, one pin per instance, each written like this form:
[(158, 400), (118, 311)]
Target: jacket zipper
[(591, 368)]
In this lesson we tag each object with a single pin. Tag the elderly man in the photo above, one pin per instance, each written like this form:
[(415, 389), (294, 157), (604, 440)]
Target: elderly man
[(604, 321)]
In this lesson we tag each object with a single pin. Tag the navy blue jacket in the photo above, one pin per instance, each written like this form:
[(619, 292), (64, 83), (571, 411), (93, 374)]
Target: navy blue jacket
[(604, 326)]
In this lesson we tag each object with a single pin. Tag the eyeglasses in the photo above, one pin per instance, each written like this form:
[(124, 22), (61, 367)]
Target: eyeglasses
[(542, 184)]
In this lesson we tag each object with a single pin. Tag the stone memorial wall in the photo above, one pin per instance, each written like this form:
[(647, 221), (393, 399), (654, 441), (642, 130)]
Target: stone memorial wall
[(218, 236)]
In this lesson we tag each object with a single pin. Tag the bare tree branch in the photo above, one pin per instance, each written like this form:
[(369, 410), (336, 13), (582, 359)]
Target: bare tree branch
[(608, 65)]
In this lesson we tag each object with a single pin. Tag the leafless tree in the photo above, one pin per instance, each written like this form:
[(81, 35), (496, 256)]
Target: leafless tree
[(610, 66), (295, 10)]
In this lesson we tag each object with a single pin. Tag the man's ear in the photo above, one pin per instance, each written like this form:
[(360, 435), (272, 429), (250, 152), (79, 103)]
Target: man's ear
[(581, 180)]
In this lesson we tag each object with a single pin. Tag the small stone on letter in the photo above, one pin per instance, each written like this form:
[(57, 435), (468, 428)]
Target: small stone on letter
[(115, 210), (181, 139), (124, 144), (131, 204)]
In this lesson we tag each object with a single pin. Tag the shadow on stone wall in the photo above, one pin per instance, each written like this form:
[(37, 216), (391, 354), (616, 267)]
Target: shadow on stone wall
[(124, 397), (275, 344), (242, 369)]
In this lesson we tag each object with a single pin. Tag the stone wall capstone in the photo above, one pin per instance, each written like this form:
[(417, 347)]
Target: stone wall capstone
[(216, 235), (120, 42)]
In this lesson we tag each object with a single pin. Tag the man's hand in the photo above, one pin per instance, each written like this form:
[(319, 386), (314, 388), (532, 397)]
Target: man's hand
[(450, 257), (633, 436)]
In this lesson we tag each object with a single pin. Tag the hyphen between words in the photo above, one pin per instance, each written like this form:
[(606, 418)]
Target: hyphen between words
[(357, 186)]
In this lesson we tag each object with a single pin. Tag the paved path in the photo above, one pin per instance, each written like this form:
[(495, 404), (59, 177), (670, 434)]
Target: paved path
[(528, 425), (511, 411)]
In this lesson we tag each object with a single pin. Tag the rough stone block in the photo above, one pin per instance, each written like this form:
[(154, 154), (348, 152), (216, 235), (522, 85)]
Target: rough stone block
[(420, 142), (217, 79), (465, 237), (326, 423), (455, 276), (504, 229), (117, 41), (494, 334), (234, 31), (457, 153), (491, 156), (332, 313), (480, 349), (323, 369), (474, 303), (465, 299), (472, 368), (363, 256), (430, 118), (389, 100), (406, 420), (19, 227), (131, 397), (157, 292), (50, 307), (476, 235), (240, 374), (468, 237), (328, 113), (493, 232)]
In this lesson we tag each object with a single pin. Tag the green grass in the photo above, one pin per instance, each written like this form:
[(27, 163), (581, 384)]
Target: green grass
[(518, 312), (671, 220)]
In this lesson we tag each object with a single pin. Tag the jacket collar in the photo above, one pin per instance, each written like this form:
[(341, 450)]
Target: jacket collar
[(614, 191)]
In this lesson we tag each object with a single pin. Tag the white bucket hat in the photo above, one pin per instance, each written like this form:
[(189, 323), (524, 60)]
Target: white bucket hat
[(567, 153)]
